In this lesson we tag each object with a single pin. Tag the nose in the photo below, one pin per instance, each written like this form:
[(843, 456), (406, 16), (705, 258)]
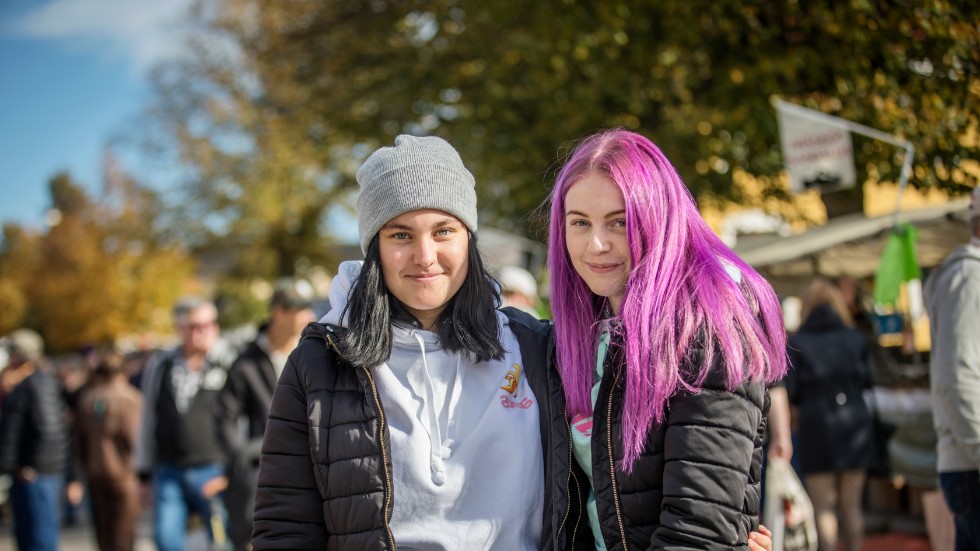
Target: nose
[(598, 242), (425, 252)]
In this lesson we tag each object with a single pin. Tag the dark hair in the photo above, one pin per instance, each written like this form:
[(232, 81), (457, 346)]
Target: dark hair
[(468, 324), (111, 363)]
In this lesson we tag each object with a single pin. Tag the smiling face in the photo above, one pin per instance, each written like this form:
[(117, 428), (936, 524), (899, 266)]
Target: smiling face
[(595, 236), (424, 260)]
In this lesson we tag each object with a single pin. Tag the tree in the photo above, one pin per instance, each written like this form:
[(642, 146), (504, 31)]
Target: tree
[(101, 271), (18, 257), (512, 84), (256, 187)]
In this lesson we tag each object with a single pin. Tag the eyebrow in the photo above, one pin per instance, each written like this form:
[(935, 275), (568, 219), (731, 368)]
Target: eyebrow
[(440, 224), (582, 214)]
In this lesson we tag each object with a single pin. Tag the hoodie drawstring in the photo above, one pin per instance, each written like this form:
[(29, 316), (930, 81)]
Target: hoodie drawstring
[(440, 449)]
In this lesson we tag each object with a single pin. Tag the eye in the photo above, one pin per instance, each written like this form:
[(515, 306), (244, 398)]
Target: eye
[(619, 223), (400, 235), (442, 232), (578, 222)]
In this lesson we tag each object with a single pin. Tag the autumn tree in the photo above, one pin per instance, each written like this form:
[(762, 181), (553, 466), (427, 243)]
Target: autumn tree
[(101, 271), (18, 257)]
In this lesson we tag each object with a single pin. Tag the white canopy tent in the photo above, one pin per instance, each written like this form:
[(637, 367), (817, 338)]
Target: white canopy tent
[(851, 245)]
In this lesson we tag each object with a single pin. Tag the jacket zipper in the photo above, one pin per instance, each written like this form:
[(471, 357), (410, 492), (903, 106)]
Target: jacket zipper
[(568, 486), (381, 443), (384, 457), (578, 518), (612, 463)]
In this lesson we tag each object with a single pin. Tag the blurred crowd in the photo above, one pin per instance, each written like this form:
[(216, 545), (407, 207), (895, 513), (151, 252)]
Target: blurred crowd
[(113, 433)]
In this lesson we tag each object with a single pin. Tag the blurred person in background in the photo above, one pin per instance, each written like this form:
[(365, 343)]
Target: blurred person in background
[(247, 395), (106, 424), (830, 373), (72, 371), (176, 448), (780, 415), (952, 297), (33, 443), (853, 296), (519, 289)]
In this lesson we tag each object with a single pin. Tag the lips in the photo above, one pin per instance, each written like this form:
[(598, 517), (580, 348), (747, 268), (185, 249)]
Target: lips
[(423, 278), (603, 267)]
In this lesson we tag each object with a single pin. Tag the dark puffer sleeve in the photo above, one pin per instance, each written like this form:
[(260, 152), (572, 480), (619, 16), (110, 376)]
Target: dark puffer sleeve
[(713, 455), (288, 506)]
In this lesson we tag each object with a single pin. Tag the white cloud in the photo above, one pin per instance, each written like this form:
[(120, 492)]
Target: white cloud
[(143, 32)]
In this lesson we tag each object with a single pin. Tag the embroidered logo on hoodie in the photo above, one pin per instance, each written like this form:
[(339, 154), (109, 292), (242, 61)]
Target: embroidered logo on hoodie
[(513, 379)]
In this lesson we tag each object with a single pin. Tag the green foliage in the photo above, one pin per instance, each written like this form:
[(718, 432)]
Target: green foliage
[(238, 304), (312, 87), (256, 186)]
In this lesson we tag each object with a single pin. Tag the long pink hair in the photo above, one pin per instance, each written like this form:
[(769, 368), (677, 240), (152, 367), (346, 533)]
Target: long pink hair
[(679, 296)]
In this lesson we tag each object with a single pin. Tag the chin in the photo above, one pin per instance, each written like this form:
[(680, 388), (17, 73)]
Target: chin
[(602, 291), (426, 306)]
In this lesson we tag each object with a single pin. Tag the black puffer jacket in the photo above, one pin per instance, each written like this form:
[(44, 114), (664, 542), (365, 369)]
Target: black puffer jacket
[(325, 470), (830, 373), (696, 483), (247, 392), (32, 427)]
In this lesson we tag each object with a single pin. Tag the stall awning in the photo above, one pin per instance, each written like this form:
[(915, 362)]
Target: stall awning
[(852, 244)]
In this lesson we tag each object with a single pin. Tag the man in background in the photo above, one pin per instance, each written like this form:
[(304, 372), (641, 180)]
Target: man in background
[(952, 296), (243, 404), (176, 448), (33, 442)]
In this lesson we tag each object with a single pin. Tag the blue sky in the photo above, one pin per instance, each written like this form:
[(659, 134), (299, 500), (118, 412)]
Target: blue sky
[(72, 74)]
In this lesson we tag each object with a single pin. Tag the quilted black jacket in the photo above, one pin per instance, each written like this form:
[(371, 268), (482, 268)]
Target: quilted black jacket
[(830, 373), (695, 485), (325, 469), (32, 427), (247, 392)]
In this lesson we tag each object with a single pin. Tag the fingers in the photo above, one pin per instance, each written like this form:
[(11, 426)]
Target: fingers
[(761, 540)]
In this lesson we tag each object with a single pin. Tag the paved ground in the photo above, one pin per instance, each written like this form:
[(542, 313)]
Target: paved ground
[(81, 539)]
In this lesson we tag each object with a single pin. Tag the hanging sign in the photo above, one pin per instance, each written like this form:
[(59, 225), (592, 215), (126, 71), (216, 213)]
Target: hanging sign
[(817, 153)]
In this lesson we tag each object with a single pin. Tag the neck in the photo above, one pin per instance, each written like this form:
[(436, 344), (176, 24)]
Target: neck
[(194, 359), (281, 339), (430, 324)]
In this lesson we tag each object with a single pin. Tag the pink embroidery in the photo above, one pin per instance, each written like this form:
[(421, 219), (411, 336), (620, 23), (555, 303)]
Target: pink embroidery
[(509, 403), (582, 424)]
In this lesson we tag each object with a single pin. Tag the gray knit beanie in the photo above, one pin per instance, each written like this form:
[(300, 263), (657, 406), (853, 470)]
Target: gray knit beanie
[(417, 173)]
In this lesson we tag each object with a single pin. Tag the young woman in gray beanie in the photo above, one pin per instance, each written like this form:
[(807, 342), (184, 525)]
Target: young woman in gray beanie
[(414, 414)]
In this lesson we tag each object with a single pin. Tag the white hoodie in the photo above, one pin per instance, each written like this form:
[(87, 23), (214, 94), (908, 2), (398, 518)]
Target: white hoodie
[(468, 471)]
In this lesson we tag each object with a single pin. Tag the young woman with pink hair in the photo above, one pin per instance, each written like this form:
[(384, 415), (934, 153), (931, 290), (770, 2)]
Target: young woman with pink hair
[(665, 342)]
